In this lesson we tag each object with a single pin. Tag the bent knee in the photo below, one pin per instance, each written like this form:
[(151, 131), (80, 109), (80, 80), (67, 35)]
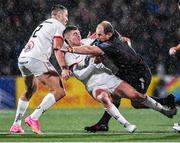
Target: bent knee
[(104, 98), (59, 94)]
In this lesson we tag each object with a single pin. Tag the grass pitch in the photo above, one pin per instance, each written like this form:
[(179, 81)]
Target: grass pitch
[(67, 125)]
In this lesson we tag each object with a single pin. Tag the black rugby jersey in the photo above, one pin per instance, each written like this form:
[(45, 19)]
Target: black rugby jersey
[(128, 62)]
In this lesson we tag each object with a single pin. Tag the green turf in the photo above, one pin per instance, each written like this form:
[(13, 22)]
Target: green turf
[(67, 125)]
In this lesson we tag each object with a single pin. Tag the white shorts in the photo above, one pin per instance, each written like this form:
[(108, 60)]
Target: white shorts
[(108, 82), (30, 66)]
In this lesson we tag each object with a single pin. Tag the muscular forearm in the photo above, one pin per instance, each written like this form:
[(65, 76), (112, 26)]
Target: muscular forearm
[(60, 59), (177, 48), (91, 50), (87, 50)]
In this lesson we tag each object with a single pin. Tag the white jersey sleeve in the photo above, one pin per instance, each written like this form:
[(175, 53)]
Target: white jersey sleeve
[(40, 43), (84, 73)]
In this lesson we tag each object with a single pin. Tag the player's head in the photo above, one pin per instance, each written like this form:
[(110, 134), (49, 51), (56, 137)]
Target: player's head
[(72, 35), (104, 31), (60, 13)]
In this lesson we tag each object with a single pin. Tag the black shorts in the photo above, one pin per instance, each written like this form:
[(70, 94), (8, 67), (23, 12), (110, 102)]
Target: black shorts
[(139, 78)]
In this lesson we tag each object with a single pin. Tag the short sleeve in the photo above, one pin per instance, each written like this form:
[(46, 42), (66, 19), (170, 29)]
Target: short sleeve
[(58, 34)]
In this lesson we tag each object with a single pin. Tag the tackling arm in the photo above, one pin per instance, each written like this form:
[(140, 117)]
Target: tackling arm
[(87, 50)]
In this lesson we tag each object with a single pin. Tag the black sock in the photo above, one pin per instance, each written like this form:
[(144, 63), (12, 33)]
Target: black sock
[(106, 117)]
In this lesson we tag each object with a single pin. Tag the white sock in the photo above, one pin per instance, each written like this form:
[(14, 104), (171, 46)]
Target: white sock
[(151, 103), (21, 109), (46, 103), (114, 112)]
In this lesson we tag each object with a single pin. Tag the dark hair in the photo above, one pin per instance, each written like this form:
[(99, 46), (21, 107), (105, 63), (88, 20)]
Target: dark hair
[(68, 29), (57, 8), (107, 27)]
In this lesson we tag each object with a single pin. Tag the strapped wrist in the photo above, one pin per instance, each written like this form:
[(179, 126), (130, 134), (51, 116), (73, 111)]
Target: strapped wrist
[(64, 67), (70, 49)]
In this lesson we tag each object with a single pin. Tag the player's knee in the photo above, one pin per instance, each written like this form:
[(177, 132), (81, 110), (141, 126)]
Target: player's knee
[(135, 95), (59, 94), (104, 98)]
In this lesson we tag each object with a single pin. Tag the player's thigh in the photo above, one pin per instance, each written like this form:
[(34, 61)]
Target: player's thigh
[(126, 90), (52, 80)]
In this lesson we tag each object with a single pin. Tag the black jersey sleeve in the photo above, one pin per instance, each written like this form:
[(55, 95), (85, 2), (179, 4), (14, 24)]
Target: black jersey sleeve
[(104, 46)]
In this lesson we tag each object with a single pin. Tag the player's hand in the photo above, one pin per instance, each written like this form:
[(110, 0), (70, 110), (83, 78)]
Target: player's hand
[(98, 59), (172, 51), (66, 73), (127, 40), (91, 35)]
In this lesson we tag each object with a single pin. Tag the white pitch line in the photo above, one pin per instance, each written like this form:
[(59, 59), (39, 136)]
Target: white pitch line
[(89, 134)]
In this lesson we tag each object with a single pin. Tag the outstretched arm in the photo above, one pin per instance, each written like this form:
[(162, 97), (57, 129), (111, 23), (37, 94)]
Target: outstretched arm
[(87, 50)]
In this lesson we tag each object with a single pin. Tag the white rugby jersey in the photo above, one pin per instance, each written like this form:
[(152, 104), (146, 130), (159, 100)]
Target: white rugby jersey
[(72, 58), (40, 43), (84, 64)]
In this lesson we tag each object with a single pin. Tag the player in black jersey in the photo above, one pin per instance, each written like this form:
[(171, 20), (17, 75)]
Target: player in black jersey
[(129, 66)]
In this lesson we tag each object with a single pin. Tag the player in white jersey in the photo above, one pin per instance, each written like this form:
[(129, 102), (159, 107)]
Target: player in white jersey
[(34, 64), (123, 89), (99, 80)]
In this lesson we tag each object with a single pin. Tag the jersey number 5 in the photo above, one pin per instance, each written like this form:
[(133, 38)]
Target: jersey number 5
[(36, 30)]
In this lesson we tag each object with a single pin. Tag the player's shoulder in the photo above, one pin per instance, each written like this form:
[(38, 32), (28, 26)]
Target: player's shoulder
[(54, 22), (103, 45)]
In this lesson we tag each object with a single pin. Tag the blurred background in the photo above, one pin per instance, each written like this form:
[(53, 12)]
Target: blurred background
[(152, 25)]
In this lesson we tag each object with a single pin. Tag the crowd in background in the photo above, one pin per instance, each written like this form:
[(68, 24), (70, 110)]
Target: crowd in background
[(152, 25)]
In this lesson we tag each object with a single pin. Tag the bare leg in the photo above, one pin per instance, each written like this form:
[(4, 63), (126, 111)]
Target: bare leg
[(31, 86), (53, 82), (23, 103), (103, 97)]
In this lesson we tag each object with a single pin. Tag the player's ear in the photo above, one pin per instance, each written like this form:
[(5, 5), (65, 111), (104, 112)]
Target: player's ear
[(109, 35)]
